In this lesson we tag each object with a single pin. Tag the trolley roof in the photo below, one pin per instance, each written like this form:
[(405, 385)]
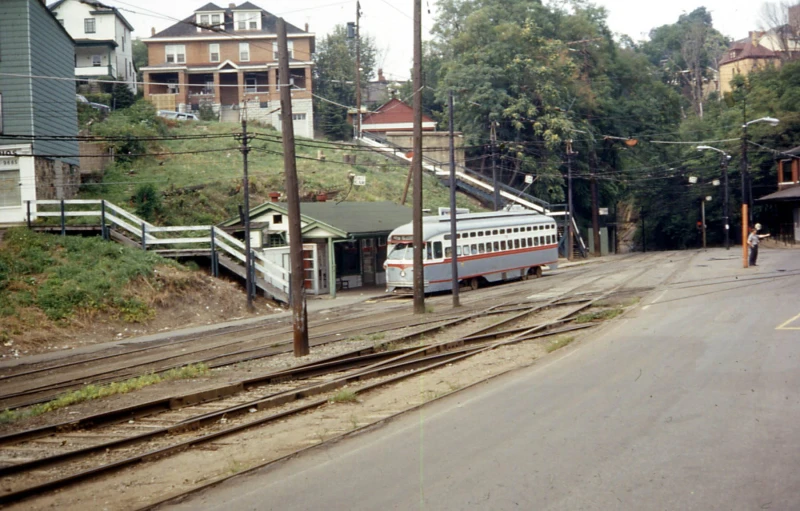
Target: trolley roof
[(435, 225)]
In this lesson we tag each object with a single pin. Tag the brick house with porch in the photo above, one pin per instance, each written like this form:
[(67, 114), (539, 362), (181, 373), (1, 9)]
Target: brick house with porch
[(226, 58)]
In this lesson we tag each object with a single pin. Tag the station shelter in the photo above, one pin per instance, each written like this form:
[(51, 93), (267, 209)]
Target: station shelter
[(344, 244)]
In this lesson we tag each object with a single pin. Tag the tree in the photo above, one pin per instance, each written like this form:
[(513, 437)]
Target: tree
[(781, 20), (140, 57), (334, 79), (122, 96)]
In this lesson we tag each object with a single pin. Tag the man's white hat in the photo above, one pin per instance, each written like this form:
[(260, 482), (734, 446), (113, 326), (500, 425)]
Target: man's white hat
[(758, 227)]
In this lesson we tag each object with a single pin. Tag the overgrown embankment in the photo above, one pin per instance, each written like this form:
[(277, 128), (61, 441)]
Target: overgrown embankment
[(57, 292)]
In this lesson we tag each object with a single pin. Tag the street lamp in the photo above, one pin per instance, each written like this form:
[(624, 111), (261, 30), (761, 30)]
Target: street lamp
[(747, 196), (725, 214)]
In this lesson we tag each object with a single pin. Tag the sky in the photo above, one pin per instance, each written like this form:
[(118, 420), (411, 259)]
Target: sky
[(390, 22)]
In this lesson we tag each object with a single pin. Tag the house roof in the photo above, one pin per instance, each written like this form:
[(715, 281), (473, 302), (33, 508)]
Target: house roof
[(745, 49), (392, 112), (351, 219), (788, 195), (101, 8), (188, 28)]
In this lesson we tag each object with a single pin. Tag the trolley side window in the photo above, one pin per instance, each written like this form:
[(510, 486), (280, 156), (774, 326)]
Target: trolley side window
[(437, 250), (516, 243)]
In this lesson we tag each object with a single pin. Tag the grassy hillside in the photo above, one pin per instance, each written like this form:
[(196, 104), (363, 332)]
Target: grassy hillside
[(198, 187)]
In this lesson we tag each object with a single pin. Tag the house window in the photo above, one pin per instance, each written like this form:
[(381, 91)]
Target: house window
[(123, 42), (244, 52), (89, 25), (176, 53), (209, 88), (289, 44), (172, 86), (97, 60), (204, 19), (250, 84), (213, 52), (277, 219), (215, 20), (247, 20), (253, 25)]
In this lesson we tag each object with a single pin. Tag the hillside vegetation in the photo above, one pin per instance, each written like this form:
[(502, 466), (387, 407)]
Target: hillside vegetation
[(52, 287), (199, 180)]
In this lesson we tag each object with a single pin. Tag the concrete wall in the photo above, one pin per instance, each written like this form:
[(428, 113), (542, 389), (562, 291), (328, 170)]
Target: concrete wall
[(435, 144)]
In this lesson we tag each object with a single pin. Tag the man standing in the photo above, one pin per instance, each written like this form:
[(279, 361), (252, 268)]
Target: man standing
[(752, 241)]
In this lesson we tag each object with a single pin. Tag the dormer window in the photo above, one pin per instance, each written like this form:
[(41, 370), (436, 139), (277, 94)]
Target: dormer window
[(733, 54), (247, 20), (208, 21)]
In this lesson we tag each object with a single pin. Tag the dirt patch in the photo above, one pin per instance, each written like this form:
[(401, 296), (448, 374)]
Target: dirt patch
[(178, 298)]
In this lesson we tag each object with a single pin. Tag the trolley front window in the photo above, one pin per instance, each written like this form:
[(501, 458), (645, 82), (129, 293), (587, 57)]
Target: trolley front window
[(402, 251)]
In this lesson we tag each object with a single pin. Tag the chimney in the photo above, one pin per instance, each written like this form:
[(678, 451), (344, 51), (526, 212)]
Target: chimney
[(754, 38), (381, 78), (152, 31), (274, 196), (306, 27)]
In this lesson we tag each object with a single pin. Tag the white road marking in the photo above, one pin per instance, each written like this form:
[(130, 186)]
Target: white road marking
[(659, 297)]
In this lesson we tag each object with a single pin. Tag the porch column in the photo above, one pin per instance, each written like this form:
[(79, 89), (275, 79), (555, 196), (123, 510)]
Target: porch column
[(795, 170), (274, 93), (240, 78), (308, 79), (146, 90), (183, 90), (331, 266), (217, 90)]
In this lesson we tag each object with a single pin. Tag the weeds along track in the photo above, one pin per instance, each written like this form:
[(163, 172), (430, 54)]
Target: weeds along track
[(35, 461), (36, 386)]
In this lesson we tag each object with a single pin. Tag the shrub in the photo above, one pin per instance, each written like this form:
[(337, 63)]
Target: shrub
[(147, 201), (206, 113), (122, 96)]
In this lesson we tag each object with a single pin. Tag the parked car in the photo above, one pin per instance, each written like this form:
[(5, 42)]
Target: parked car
[(178, 116), (96, 106)]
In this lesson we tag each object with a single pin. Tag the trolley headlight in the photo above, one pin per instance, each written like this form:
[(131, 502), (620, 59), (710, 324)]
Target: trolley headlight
[(402, 273)]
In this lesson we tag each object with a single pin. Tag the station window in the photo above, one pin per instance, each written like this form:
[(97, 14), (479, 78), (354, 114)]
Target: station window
[(447, 252), (474, 248), (516, 243), (480, 233), (502, 231), (530, 242), (481, 248), (458, 251), (472, 234), (437, 250), (489, 247), (494, 232), (465, 250), (536, 242), (524, 244), (496, 246), (503, 245)]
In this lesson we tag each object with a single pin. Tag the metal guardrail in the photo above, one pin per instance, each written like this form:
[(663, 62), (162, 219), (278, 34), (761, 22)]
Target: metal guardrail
[(476, 179), (149, 236)]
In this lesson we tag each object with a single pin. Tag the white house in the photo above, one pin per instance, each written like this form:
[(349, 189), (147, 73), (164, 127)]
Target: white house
[(103, 43)]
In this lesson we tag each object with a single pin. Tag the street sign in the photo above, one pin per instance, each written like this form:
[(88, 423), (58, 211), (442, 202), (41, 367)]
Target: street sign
[(360, 180), (692, 179), (603, 211), (528, 178)]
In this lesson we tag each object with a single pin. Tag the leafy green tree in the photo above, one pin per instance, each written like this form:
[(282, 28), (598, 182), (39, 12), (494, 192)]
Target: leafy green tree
[(122, 96), (334, 79), (140, 57)]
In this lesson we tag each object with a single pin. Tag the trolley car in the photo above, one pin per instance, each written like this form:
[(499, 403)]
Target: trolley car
[(491, 247)]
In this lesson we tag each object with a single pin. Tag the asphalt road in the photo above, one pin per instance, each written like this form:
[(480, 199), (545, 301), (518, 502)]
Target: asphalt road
[(691, 401)]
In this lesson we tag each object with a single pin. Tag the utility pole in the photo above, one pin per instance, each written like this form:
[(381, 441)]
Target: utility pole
[(725, 206), (493, 138), (248, 260), (595, 206), (570, 235), (703, 219), (297, 277), (416, 165), (644, 231), (358, 69), (453, 241)]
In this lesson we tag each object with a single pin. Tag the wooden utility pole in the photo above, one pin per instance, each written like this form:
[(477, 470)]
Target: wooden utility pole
[(248, 258), (595, 206), (703, 219), (358, 70), (493, 137), (297, 278), (453, 241), (570, 234), (416, 164)]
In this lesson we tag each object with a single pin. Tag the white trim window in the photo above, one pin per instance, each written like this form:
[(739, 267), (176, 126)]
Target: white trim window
[(244, 52), (250, 84), (89, 25), (290, 47), (213, 52), (175, 53), (247, 20), (97, 60)]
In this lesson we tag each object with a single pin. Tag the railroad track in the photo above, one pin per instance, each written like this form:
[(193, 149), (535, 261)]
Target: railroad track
[(41, 460)]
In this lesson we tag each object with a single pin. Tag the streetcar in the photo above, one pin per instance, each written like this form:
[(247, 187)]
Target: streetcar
[(490, 247)]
